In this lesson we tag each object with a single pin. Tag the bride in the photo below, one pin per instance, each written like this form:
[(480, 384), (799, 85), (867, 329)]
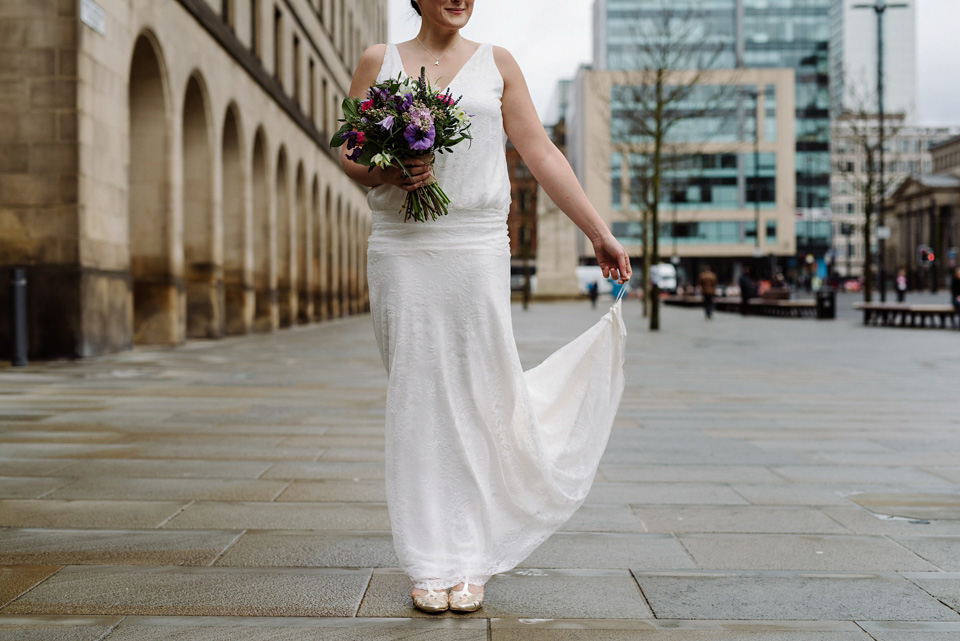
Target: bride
[(483, 461)]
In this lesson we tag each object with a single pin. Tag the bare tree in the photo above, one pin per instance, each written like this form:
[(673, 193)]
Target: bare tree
[(859, 130), (663, 84)]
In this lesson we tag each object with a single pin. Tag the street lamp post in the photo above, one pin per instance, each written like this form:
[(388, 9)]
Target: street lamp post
[(879, 7)]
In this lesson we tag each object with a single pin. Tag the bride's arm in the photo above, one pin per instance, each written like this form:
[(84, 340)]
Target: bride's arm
[(364, 77), (551, 169)]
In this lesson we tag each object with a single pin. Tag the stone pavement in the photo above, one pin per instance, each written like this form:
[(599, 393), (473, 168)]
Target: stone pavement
[(767, 479)]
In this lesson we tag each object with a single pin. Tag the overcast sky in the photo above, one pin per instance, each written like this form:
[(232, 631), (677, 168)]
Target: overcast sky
[(551, 38)]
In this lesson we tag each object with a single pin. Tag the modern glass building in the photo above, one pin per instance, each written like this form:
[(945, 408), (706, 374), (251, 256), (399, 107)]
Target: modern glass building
[(729, 34)]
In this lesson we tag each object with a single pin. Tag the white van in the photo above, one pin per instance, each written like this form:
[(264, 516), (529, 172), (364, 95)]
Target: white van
[(665, 277), (587, 274)]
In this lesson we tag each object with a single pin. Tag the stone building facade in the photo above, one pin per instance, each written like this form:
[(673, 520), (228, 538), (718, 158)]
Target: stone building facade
[(924, 212), (165, 170), (907, 153)]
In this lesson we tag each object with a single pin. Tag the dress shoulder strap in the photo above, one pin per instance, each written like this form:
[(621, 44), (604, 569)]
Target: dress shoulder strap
[(391, 63)]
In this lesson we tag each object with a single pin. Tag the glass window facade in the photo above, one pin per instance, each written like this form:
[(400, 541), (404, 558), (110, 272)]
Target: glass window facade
[(708, 181), (776, 34), (616, 181), (721, 232)]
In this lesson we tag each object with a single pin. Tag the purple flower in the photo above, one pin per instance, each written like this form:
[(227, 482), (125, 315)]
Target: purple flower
[(355, 154), (403, 102), (386, 123), (418, 138)]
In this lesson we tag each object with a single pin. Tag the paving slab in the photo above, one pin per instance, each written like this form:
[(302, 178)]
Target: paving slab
[(801, 552), (223, 452), (44, 628), (359, 490), (25, 546), (912, 505), (326, 440), (863, 474), (138, 628), (305, 549), (943, 585), (325, 470), (31, 466), (794, 494), (909, 631), (667, 630), (652, 473), (603, 517), (29, 487), (127, 468), (736, 518), (663, 493), (941, 551), (291, 516), (87, 514), (789, 596), (148, 489), (18, 579), (586, 550), (861, 521), (196, 591), (57, 436), (532, 593)]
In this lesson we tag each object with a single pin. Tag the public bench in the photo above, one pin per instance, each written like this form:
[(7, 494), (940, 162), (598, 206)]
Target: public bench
[(906, 315), (762, 306)]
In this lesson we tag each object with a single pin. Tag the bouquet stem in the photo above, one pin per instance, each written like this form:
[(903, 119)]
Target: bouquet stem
[(427, 200)]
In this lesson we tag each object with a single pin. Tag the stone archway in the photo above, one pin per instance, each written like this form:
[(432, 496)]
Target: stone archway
[(303, 242), (327, 258), (203, 274), (316, 259), (338, 229), (156, 291), (353, 298), (265, 292), (286, 296), (238, 292)]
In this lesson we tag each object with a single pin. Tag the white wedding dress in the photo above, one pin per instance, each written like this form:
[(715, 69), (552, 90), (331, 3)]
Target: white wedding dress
[(483, 460)]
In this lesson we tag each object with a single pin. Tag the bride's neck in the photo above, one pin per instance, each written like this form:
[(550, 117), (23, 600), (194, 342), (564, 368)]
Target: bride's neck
[(438, 41)]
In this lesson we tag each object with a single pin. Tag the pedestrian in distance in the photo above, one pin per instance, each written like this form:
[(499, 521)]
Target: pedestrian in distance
[(483, 461), (593, 291), (708, 289), (748, 290), (901, 285)]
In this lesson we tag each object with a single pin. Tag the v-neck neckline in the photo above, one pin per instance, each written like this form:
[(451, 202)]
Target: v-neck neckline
[(403, 67)]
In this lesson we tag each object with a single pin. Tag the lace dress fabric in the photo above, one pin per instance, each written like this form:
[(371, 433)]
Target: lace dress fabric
[(483, 460)]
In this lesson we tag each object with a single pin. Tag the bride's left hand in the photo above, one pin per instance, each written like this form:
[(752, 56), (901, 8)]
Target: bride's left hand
[(612, 258)]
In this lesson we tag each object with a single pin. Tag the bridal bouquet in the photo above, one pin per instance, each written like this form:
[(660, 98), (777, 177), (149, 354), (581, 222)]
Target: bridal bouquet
[(401, 119)]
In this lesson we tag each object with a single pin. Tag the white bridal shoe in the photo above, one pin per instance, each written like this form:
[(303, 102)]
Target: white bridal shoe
[(464, 600), (432, 601)]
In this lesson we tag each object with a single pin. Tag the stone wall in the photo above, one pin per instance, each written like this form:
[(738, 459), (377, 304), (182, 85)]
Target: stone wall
[(166, 175), (38, 167)]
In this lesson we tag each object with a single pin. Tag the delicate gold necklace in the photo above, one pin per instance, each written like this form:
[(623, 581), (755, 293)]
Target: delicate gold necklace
[(436, 59)]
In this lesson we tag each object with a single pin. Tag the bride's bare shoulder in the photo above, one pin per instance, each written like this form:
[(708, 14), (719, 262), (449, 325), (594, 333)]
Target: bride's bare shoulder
[(373, 54), (506, 63)]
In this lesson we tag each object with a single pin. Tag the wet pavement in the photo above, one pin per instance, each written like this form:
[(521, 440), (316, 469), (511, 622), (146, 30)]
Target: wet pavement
[(767, 479)]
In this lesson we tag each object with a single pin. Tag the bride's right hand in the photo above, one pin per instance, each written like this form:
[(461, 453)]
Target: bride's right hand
[(418, 170)]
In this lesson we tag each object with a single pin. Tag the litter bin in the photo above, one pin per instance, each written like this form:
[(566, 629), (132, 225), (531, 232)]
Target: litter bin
[(826, 303)]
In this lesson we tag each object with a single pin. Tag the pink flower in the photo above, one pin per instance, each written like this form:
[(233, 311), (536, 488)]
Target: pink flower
[(361, 138), (445, 98), (366, 104)]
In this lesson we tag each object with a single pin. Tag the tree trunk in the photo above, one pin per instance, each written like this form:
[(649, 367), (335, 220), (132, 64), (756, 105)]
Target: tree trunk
[(867, 225), (655, 200)]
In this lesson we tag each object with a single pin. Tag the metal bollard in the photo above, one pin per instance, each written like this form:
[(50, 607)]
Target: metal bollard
[(18, 313)]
